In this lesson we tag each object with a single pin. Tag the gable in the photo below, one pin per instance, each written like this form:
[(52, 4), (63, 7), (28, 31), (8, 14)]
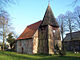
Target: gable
[(29, 31), (49, 18)]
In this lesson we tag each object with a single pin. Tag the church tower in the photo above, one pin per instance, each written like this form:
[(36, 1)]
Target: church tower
[(48, 33)]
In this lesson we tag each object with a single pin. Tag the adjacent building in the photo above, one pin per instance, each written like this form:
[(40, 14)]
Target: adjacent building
[(74, 44)]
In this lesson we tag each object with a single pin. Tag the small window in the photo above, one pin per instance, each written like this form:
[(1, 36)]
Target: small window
[(54, 31), (42, 28), (20, 44)]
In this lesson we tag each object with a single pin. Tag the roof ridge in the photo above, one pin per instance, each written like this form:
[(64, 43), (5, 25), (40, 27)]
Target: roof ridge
[(73, 32), (34, 23), (29, 30)]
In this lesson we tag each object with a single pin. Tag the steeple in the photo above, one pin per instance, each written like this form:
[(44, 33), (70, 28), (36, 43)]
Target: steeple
[(46, 37), (49, 18)]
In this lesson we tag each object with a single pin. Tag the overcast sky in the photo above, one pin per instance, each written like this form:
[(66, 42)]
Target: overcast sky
[(26, 12)]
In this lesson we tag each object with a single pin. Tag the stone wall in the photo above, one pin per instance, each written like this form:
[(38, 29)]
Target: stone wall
[(57, 38), (35, 42), (29, 46), (50, 39), (49, 36), (43, 40), (56, 32), (25, 46)]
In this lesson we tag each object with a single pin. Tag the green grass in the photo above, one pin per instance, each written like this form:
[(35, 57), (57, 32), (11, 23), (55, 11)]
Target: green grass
[(16, 56)]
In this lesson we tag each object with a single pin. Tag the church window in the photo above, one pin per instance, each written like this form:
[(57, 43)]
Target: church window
[(20, 44), (42, 28), (54, 31)]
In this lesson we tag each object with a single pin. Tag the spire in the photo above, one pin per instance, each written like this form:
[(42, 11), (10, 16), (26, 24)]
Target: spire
[(49, 18), (48, 2)]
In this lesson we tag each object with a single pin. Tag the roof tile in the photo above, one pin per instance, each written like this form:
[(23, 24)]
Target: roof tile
[(29, 31)]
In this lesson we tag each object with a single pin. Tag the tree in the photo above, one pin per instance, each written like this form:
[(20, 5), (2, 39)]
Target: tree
[(4, 23), (4, 19), (74, 3), (62, 24), (4, 2), (77, 14), (68, 24), (11, 39), (71, 25)]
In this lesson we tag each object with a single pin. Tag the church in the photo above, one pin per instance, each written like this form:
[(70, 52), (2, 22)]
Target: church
[(40, 37)]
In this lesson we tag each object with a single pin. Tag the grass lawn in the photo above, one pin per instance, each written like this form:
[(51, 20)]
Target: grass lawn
[(15, 56)]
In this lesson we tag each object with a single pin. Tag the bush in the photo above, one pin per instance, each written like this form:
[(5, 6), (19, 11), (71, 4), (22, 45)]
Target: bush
[(60, 52)]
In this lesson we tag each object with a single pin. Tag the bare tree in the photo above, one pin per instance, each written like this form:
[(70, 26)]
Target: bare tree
[(77, 14), (71, 25), (74, 3), (61, 22), (4, 21), (4, 18), (4, 2)]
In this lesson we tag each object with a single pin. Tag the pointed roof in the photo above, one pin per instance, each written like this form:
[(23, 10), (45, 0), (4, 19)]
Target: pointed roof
[(29, 31), (49, 18)]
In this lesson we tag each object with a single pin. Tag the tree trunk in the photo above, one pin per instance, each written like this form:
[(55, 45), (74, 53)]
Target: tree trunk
[(62, 35), (3, 37)]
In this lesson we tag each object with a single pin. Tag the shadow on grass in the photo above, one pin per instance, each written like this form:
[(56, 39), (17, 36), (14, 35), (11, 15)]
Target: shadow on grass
[(16, 56), (61, 58)]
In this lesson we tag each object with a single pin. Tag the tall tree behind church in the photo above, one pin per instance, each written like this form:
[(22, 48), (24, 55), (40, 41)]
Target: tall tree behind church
[(4, 18), (3, 3), (77, 14), (4, 23), (62, 24)]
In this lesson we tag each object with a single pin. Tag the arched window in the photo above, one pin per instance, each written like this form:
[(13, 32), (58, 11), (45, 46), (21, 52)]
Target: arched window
[(54, 31)]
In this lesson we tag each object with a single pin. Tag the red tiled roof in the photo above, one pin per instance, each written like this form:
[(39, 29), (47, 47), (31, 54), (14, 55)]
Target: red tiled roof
[(29, 31)]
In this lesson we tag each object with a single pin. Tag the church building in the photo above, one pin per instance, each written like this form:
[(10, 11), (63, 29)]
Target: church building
[(40, 37)]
